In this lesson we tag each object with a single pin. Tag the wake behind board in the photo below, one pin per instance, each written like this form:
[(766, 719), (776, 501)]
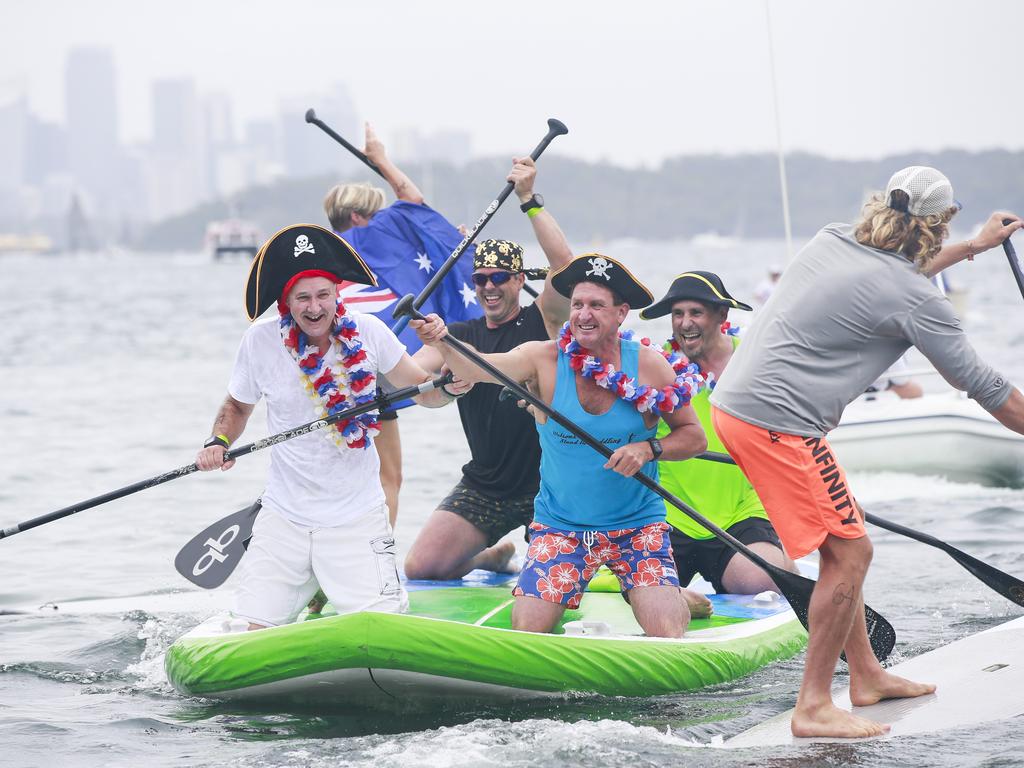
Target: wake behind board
[(980, 679)]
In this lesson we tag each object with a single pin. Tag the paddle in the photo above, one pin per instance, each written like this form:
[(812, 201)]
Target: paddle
[(312, 118), (210, 557), (555, 128), (1006, 585), (381, 401), (796, 588), (1011, 256)]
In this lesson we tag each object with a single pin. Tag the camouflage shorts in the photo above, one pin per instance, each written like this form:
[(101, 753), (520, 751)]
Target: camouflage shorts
[(493, 517)]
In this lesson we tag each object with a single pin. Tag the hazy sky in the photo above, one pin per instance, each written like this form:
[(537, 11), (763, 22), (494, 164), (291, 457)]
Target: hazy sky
[(634, 81)]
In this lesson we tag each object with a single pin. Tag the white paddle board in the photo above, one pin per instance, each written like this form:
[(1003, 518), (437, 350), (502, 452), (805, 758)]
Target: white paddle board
[(980, 679)]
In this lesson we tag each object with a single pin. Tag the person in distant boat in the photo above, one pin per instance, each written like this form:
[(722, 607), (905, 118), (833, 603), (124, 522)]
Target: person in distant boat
[(324, 520), (495, 494), (698, 305), (351, 206), (590, 512), (766, 287), (853, 300)]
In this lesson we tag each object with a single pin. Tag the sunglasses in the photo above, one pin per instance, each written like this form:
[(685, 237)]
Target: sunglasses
[(496, 278)]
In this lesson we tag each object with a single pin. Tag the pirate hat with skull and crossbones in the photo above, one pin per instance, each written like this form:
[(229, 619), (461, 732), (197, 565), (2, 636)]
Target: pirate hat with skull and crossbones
[(602, 270), (293, 252)]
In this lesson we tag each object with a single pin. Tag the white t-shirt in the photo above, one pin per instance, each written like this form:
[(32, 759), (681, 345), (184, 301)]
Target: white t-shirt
[(312, 481)]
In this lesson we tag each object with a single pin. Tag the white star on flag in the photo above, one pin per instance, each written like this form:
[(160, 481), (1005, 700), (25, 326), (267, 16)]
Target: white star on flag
[(424, 262), (468, 295)]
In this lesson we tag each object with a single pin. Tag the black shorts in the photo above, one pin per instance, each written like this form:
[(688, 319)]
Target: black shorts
[(493, 517), (709, 557)]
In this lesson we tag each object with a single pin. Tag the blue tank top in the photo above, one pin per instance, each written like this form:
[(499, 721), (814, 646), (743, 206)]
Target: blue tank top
[(576, 492)]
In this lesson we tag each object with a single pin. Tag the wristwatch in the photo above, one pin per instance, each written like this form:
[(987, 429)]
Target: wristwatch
[(656, 448), (536, 201), (217, 440)]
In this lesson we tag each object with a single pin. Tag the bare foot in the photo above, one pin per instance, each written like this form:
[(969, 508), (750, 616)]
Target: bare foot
[(700, 606), (885, 685), (830, 721), (497, 558)]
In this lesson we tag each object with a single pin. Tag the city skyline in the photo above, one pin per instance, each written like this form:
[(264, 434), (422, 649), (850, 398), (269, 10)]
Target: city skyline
[(677, 78)]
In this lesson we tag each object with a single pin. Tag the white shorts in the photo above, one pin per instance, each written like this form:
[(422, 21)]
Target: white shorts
[(353, 563)]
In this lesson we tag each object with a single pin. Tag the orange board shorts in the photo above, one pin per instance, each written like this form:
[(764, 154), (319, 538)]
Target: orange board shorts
[(803, 489)]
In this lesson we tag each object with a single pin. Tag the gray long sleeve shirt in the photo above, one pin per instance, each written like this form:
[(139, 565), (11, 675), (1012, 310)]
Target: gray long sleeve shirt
[(840, 316)]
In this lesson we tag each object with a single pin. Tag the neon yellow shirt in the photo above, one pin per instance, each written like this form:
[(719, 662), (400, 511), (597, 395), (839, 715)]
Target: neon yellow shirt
[(720, 492)]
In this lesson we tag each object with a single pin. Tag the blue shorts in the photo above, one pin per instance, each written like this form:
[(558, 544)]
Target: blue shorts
[(560, 564)]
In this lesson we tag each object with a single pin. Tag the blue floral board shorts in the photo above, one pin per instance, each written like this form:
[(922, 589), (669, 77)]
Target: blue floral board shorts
[(559, 564)]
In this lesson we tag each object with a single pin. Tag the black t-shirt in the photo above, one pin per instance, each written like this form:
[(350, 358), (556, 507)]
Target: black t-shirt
[(502, 437)]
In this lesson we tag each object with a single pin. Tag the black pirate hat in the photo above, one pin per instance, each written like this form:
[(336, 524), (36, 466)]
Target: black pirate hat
[(602, 270), (295, 249), (705, 287)]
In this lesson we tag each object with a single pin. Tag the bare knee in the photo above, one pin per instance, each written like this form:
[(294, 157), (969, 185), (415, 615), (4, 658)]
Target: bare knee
[(847, 554), (532, 614)]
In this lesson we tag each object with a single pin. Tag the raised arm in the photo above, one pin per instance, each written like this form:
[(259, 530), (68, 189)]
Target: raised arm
[(992, 233), (553, 306), (401, 184)]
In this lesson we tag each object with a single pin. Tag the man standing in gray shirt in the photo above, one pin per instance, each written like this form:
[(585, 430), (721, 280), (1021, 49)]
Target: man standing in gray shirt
[(852, 301)]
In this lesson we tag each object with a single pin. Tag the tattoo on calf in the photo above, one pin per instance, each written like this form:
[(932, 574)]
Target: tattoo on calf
[(842, 593)]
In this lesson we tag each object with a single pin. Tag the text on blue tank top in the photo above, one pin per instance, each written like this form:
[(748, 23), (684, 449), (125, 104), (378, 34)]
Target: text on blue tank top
[(576, 492)]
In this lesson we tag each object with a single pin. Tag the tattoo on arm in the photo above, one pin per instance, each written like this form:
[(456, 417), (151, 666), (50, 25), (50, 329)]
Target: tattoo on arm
[(843, 593)]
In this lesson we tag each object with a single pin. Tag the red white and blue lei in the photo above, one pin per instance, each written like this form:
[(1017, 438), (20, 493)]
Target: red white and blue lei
[(333, 391), (644, 397)]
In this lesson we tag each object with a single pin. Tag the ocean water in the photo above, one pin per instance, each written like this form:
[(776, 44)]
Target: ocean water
[(111, 370)]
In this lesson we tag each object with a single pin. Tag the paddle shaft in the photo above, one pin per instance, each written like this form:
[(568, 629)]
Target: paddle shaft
[(1011, 256), (312, 118), (555, 128), (381, 401), (1006, 585)]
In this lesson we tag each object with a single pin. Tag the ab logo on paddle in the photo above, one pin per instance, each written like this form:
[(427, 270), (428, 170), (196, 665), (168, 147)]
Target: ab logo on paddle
[(215, 551)]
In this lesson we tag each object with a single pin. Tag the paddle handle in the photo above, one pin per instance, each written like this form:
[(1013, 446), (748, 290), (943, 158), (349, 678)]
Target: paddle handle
[(555, 128), (1011, 256), (313, 119)]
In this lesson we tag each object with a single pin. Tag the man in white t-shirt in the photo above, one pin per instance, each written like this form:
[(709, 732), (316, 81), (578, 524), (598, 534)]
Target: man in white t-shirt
[(324, 520)]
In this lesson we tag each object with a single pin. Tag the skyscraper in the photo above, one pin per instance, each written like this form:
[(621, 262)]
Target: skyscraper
[(91, 106)]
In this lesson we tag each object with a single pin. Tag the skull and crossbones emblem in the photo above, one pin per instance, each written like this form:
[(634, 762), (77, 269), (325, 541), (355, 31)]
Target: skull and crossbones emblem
[(600, 266), (302, 245)]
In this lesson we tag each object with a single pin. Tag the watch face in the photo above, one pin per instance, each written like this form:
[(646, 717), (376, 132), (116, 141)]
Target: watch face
[(538, 200)]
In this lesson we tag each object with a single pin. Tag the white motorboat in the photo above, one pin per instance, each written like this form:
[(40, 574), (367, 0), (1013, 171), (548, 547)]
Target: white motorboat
[(944, 434)]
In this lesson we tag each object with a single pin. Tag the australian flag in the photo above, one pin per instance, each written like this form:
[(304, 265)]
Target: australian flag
[(405, 244)]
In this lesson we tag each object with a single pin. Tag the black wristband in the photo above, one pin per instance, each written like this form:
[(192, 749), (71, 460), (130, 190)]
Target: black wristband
[(217, 440)]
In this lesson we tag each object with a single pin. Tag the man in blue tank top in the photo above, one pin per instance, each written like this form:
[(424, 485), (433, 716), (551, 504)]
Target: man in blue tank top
[(589, 512)]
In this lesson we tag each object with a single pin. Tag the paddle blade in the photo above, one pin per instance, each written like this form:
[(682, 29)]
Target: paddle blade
[(1006, 585), (798, 589), (211, 556)]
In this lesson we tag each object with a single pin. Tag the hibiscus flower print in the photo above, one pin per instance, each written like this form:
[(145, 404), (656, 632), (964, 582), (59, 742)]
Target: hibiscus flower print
[(564, 576), (648, 572), (543, 548), (549, 591), (647, 539), (607, 550)]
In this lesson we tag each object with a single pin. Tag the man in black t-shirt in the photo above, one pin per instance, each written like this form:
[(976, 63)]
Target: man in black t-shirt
[(500, 481)]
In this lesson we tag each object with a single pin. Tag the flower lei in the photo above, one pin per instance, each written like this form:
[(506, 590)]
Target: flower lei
[(644, 397), (331, 390), (709, 378)]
